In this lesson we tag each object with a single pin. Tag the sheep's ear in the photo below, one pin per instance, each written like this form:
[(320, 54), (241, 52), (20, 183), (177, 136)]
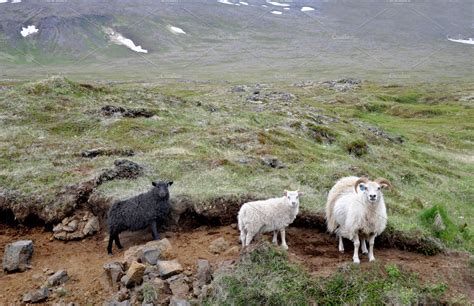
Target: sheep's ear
[(300, 193), (170, 183), (285, 193), (153, 183)]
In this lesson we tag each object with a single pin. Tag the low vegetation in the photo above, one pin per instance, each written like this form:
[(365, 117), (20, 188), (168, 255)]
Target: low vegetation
[(211, 142), (265, 277)]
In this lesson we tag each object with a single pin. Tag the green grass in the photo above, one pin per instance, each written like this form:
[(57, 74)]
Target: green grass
[(265, 277), (44, 126)]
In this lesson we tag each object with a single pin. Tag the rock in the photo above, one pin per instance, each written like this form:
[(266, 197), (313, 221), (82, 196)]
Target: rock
[(122, 295), (135, 253), (17, 256), (36, 296), (80, 225), (233, 225), (178, 285), (124, 169), (239, 88), (272, 161), (58, 278), (203, 273), (343, 84), (150, 255), (91, 153), (235, 250), (219, 245), (205, 291), (175, 301), (134, 275), (92, 226), (113, 272), (169, 268), (438, 224), (111, 110)]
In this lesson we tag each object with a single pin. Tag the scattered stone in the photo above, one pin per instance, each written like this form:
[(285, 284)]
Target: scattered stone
[(39, 295), (58, 278), (124, 169), (48, 271), (219, 245), (233, 225), (17, 256), (203, 273), (79, 226), (272, 161), (122, 295), (162, 246), (149, 255), (134, 275), (91, 153), (175, 301), (343, 84), (239, 88), (178, 285), (398, 139), (113, 272), (169, 268), (205, 292), (304, 84), (111, 110)]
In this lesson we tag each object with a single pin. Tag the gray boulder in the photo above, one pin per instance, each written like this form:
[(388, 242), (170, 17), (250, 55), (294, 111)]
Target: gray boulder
[(203, 274), (39, 295), (169, 268), (17, 256), (58, 278)]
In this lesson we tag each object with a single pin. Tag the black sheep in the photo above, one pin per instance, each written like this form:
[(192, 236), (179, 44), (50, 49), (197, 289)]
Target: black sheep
[(138, 212)]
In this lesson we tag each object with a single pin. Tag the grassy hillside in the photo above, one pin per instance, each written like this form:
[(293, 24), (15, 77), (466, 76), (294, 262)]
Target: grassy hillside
[(210, 141)]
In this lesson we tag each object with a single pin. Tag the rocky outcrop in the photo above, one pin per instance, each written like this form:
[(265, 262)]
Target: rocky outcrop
[(78, 226)]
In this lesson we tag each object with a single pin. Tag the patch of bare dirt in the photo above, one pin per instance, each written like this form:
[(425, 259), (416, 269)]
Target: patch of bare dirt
[(84, 260), (317, 251)]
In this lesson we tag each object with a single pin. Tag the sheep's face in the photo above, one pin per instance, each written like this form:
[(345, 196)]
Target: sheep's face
[(372, 191), (161, 188), (293, 197)]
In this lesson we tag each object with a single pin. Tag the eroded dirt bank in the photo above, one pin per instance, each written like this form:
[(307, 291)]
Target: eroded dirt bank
[(317, 251)]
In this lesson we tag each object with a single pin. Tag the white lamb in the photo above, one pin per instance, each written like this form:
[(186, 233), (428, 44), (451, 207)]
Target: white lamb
[(266, 216), (355, 210)]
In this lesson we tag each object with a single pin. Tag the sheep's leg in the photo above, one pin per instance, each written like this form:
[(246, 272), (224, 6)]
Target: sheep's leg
[(275, 237), (356, 249), (109, 246), (341, 245), (371, 248), (283, 240), (242, 237), (363, 246), (154, 231), (117, 241), (248, 238)]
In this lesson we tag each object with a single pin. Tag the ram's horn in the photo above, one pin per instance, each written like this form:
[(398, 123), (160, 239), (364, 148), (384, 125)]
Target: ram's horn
[(360, 180), (381, 181)]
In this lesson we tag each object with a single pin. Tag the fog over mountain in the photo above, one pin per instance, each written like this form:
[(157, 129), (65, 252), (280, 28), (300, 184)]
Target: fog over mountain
[(265, 39)]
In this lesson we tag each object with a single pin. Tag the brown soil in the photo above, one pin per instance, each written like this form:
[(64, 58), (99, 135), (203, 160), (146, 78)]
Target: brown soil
[(316, 251)]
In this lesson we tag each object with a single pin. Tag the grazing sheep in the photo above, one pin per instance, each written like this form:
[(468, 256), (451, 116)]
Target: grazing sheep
[(270, 215), (138, 212), (356, 209)]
